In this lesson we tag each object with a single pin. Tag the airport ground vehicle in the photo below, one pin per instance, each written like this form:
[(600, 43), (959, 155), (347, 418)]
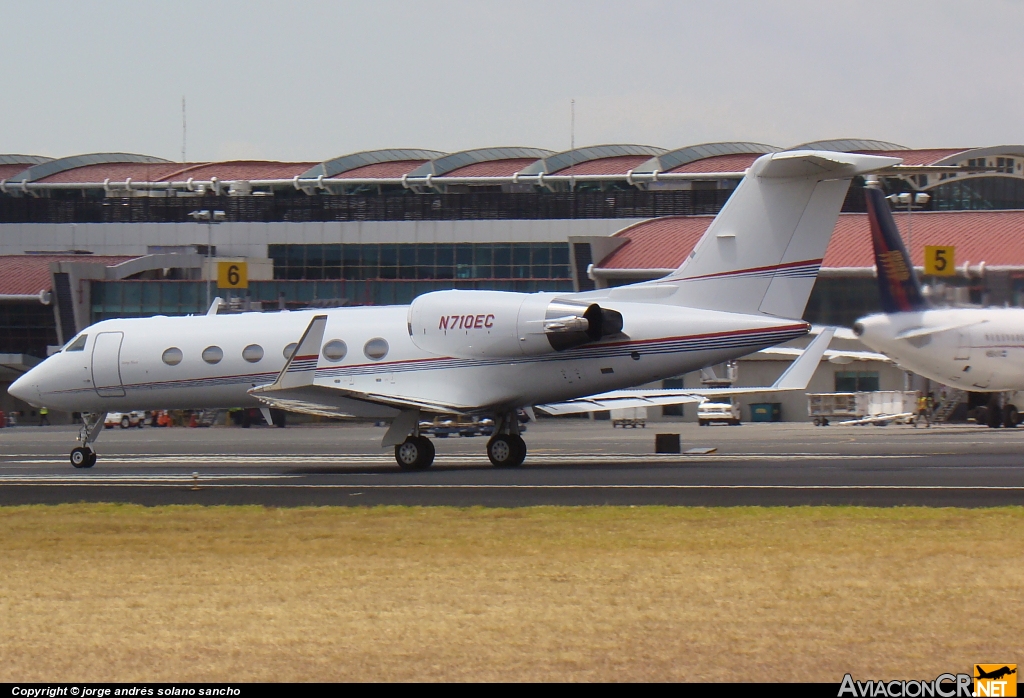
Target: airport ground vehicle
[(459, 425), (125, 420), (878, 406), (718, 412), (630, 417)]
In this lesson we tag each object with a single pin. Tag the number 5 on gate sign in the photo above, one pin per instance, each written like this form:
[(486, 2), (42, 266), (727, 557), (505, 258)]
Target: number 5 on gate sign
[(938, 260)]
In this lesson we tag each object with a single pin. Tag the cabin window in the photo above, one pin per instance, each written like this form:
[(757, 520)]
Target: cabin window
[(290, 349), (376, 348), (336, 349), (78, 344), (213, 355), (252, 353), (172, 356)]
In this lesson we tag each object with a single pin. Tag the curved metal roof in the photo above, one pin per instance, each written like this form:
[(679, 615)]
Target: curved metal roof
[(1015, 150), (849, 145), (560, 161), (23, 159), (52, 167), (691, 153), (447, 163), (330, 168)]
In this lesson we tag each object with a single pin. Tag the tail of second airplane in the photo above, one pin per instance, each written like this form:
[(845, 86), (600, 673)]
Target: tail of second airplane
[(762, 252), (898, 285)]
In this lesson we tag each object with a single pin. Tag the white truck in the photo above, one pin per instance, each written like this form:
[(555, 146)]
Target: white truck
[(724, 412)]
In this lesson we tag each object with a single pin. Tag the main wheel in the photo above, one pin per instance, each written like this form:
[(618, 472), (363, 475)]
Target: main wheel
[(506, 450), (995, 417), (83, 457), (415, 453), (1010, 417)]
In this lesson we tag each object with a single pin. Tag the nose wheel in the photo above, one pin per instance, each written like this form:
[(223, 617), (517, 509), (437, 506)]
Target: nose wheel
[(415, 453), (92, 425), (83, 457)]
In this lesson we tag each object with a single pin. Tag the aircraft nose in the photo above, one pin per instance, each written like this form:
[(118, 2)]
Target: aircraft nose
[(25, 388)]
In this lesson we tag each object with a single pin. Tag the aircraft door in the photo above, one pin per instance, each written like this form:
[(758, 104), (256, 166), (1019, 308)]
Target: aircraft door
[(106, 364)]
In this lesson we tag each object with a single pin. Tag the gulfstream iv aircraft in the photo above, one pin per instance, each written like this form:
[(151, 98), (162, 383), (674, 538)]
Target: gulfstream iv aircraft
[(743, 288), (976, 349)]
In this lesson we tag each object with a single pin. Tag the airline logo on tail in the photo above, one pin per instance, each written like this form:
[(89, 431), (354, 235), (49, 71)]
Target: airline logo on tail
[(898, 287)]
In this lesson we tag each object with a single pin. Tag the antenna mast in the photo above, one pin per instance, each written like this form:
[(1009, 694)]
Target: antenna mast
[(183, 130)]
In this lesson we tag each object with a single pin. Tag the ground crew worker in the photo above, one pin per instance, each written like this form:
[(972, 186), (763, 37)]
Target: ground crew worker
[(44, 416), (922, 411)]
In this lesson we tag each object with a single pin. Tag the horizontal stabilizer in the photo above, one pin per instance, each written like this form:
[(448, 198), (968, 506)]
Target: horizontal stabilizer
[(824, 165)]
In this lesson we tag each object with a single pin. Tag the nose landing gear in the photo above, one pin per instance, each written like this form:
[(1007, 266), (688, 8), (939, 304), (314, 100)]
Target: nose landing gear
[(92, 426)]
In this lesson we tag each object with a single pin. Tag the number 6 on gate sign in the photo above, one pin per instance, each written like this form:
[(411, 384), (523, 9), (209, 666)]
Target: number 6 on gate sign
[(232, 275)]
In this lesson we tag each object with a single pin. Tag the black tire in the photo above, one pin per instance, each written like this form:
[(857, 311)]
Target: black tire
[(702, 422), (415, 453), (1010, 417), (125, 422), (506, 451), (82, 457), (995, 417)]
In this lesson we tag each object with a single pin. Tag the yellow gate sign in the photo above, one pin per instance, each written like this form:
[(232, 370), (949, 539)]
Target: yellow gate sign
[(232, 275), (938, 260)]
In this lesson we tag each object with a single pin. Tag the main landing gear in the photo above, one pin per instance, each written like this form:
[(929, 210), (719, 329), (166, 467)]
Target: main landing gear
[(92, 426), (415, 453), (505, 449)]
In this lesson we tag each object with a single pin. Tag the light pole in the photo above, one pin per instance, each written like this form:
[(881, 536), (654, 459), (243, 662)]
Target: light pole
[(210, 216), (909, 200)]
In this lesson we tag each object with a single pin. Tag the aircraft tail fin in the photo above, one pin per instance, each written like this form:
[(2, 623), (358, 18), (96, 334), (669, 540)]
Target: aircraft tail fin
[(898, 285), (763, 250)]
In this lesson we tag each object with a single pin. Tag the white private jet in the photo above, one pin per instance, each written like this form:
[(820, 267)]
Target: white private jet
[(742, 288), (975, 349)]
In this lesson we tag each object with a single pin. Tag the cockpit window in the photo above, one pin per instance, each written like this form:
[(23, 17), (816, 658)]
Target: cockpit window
[(78, 344)]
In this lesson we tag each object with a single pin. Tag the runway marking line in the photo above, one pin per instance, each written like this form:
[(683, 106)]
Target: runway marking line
[(250, 460), (222, 485)]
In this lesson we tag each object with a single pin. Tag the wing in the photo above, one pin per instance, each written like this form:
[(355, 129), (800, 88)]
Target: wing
[(796, 377), (294, 390), (835, 356)]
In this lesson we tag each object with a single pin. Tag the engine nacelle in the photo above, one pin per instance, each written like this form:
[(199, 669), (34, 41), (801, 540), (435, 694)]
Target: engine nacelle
[(479, 324)]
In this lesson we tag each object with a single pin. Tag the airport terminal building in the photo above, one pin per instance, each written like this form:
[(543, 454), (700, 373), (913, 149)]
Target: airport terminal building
[(90, 237)]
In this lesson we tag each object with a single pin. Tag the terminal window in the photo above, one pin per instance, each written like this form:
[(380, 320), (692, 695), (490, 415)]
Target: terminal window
[(856, 381), (358, 262)]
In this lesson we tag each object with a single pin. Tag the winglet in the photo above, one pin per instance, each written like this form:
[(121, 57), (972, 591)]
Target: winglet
[(799, 373), (300, 368)]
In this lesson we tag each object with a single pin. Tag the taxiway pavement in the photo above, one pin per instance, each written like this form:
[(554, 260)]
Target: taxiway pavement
[(570, 462)]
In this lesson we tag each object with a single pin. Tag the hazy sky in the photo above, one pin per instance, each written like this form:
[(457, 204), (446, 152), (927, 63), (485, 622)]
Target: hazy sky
[(313, 80)]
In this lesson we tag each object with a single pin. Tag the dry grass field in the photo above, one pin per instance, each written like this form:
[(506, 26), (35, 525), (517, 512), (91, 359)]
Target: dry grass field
[(105, 592)]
